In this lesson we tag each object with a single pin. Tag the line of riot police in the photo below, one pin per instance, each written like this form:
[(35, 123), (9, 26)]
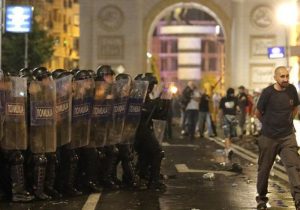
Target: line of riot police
[(65, 132)]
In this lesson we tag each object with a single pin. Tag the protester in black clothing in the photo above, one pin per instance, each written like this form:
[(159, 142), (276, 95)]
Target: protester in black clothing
[(243, 103), (228, 110), (276, 109), (204, 115)]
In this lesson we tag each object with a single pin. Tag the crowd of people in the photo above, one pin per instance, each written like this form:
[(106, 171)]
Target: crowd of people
[(201, 112), (64, 133)]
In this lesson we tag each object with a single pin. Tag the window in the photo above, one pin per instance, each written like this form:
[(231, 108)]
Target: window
[(203, 65), (173, 64), (163, 64), (213, 64), (173, 46), (212, 47), (164, 46)]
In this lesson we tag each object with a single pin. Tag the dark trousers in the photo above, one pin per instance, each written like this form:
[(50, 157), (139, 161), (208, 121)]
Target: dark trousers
[(287, 149), (192, 118)]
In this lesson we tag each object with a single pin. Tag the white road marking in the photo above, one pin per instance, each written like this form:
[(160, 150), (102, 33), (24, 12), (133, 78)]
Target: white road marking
[(166, 144), (182, 168), (92, 201)]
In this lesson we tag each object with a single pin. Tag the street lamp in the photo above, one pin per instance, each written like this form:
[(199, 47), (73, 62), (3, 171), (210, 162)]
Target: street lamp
[(287, 15)]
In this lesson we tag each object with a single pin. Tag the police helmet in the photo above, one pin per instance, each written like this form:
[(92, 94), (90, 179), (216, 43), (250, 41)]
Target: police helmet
[(123, 76), (74, 71), (138, 77), (150, 78), (40, 73), (24, 72), (81, 75), (55, 74), (103, 71), (92, 73)]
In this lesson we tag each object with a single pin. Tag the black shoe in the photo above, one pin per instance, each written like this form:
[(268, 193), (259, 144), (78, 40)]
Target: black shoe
[(53, 193), (297, 205), (22, 197), (157, 186), (71, 191), (41, 196), (230, 154), (262, 202), (110, 185), (94, 188)]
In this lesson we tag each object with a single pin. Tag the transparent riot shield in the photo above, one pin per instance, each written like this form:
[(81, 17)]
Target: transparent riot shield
[(15, 125), (63, 109), (159, 127), (121, 91), (2, 103), (133, 111), (42, 116), (82, 101), (164, 102), (101, 113)]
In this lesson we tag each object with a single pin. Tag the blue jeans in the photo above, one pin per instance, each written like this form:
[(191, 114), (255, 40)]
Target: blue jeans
[(192, 117), (204, 117)]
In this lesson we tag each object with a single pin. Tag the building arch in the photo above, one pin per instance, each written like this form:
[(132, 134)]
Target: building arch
[(214, 10)]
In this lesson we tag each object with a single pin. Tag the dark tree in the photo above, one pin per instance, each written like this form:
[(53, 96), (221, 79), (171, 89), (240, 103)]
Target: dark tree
[(40, 49)]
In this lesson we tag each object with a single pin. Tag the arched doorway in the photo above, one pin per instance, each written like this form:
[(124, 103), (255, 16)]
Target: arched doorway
[(162, 9)]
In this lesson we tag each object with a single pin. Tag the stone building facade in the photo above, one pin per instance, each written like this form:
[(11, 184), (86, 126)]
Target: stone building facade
[(119, 32)]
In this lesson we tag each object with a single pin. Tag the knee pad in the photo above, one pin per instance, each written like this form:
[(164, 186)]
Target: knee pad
[(16, 158), (74, 157), (39, 159)]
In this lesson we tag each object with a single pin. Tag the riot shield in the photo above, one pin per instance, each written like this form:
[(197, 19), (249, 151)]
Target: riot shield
[(42, 116), (63, 109), (101, 114), (121, 90), (15, 124), (82, 101), (159, 127), (133, 110), (2, 103)]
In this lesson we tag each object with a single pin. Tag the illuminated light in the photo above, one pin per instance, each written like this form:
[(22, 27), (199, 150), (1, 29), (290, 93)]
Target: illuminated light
[(18, 19), (149, 55), (173, 89), (287, 14), (218, 29)]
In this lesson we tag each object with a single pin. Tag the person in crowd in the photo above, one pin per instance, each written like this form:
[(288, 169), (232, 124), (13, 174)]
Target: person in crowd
[(276, 109), (216, 97), (228, 112), (204, 115), (186, 97), (242, 103), (192, 111)]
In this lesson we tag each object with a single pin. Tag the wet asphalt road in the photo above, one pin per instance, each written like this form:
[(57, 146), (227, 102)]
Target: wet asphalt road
[(185, 164)]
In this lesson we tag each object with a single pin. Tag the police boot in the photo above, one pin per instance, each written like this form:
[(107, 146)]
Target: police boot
[(154, 182), (51, 175), (92, 157), (19, 194), (71, 176), (111, 158), (129, 178), (39, 177)]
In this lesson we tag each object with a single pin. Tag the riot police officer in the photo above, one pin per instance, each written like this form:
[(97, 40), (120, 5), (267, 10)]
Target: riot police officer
[(43, 133), (15, 131), (82, 94), (149, 150), (108, 152), (126, 155)]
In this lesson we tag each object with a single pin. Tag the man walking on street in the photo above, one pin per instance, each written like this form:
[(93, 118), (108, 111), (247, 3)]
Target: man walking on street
[(276, 109)]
